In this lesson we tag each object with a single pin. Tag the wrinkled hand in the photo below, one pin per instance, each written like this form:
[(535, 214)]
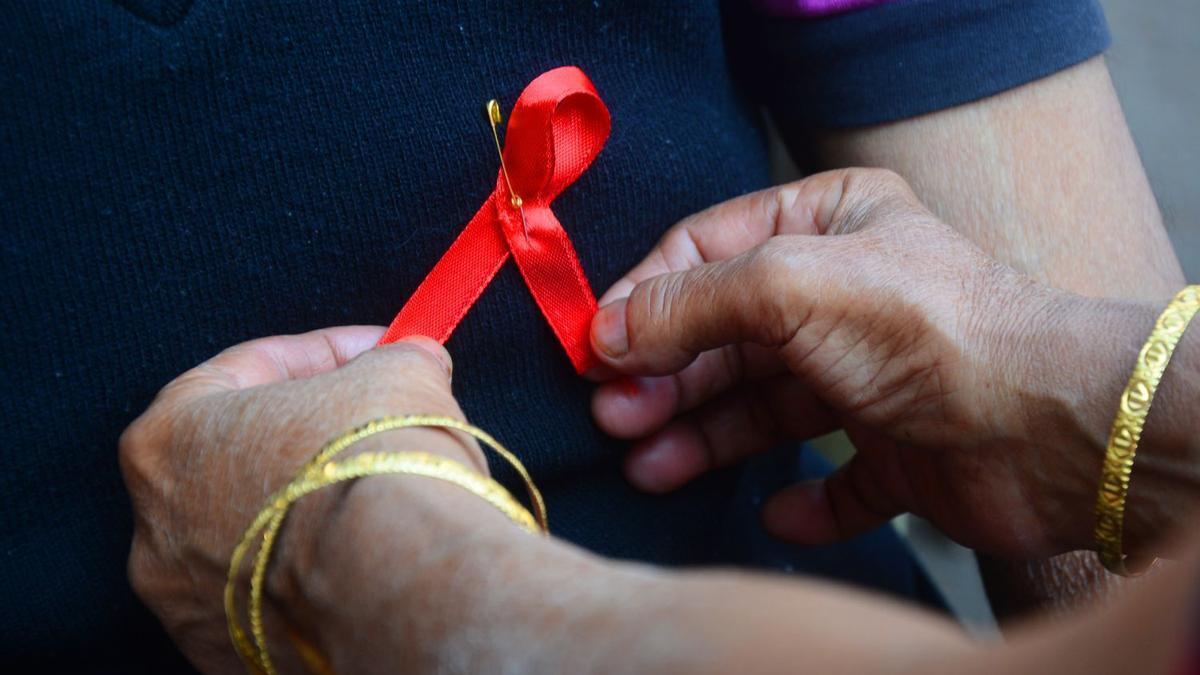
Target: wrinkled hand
[(841, 301), (200, 463)]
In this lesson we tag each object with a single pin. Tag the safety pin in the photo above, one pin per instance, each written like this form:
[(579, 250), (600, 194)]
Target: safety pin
[(495, 118)]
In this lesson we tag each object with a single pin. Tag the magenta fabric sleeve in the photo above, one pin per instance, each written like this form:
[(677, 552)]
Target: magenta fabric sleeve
[(812, 8)]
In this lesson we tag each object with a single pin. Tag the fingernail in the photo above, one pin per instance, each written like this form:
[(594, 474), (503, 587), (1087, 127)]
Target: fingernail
[(608, 330)]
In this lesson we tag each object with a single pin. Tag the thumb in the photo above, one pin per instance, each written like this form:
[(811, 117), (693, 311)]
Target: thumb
[(762, 296), (754, 288)]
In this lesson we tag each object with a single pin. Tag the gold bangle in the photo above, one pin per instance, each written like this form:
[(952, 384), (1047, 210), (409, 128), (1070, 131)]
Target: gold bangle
[(322, 471), (1127, 430), (378, 426), (359, 466)]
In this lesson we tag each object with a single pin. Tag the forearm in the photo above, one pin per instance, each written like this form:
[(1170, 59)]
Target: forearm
[(481, 597), (1045, 178)]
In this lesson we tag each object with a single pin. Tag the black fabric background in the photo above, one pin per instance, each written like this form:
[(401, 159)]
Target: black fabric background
[(178, 176)]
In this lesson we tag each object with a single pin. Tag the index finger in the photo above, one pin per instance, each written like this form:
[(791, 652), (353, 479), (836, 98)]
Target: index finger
[(736, 226)]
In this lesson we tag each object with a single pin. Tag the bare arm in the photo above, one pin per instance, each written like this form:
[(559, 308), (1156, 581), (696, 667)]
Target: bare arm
[(1045, 178), (481, 597)]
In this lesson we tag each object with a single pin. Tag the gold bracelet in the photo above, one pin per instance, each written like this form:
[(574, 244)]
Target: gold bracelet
[(322, 471), (378, 426), (369, 464), (1127, 430)]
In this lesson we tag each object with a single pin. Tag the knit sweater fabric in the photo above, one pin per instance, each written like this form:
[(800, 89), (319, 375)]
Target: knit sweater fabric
[(177, 176)]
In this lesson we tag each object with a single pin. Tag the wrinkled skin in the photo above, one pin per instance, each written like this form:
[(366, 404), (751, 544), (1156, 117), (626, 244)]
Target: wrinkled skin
[(838, 301), (201, 461)]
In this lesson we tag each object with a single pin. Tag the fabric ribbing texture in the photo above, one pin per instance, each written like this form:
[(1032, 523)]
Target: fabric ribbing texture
[(178, 177)]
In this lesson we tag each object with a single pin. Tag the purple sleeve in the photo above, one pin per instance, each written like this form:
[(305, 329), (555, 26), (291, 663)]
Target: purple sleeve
[(812, 8)]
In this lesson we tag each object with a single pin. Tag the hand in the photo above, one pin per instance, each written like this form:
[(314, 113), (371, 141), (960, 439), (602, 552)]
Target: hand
[(840, 301), (406, 582), (200, 463)]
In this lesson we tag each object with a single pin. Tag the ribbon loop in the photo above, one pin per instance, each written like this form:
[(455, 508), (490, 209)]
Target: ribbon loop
[(557, 128)]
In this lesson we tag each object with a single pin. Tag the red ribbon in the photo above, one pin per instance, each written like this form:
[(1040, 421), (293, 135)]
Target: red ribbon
[(556, 129)]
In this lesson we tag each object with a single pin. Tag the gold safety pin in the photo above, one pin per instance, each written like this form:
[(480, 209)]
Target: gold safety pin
[(495, 118)]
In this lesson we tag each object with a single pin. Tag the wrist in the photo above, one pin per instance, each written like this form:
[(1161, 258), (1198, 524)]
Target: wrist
[(344, 516), (407, 568), (1165, 481), (1076, 359), (1166, 468), (1087, 356)]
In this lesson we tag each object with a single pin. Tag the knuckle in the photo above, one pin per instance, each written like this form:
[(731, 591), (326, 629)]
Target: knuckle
[(786, 205), (401, 377), (132, 441), (772, 264), (138, 449), (894, 191), (143, 572), (680, 249), (787, 195), (137, 569), (877, 183), (885, 179), (875, 197)]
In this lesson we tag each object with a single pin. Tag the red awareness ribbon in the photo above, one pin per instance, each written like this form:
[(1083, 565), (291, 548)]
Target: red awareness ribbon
[(556, 129)]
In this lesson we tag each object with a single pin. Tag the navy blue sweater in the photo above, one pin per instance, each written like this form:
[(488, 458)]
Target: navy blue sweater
[(178, 176)]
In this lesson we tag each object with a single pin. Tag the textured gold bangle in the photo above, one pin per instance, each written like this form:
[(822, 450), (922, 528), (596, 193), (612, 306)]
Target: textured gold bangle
[(378, 426), (322, 471), (359, 466), (1127, 430)]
